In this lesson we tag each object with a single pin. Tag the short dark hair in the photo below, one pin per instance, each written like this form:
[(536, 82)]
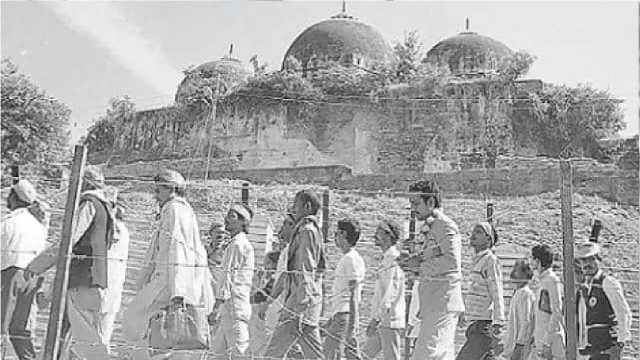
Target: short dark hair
[(427, 189), (352, 228), (309, 197), (394, 228), (273, 256), (245, 226), (525, 268), (544, 254)]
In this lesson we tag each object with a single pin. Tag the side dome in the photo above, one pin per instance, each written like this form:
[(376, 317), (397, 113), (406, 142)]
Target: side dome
[(342, 38), (230, 72), (468, 54)]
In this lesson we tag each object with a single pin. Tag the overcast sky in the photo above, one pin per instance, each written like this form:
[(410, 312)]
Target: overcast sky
[(86, 53)]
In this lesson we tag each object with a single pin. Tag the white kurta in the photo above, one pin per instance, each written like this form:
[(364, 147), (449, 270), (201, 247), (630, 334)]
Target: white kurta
[(176, 265)]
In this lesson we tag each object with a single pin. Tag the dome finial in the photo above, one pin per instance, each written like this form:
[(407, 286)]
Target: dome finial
[(230, 49), (344, 6), (466, 24)]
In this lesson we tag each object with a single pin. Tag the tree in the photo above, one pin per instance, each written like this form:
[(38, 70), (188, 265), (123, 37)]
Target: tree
[(104, 133), (35, 126), (408, 57), (570, 120), (515, 66)]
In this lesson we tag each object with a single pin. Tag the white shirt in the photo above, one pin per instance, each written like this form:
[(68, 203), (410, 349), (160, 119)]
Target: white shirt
[(350, 267), (23, 238), (117, 265), (520, 323), (388, 302), (548, 296), (414, 309), (238, 264)]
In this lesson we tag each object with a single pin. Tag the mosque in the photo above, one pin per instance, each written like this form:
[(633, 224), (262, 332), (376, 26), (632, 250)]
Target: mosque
[(390, 136)]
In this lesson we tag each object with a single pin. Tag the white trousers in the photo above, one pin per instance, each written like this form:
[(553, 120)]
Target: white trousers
[(436, 340)]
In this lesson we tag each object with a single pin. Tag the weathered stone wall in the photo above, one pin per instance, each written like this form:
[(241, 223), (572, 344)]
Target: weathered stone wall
[(435, 134)]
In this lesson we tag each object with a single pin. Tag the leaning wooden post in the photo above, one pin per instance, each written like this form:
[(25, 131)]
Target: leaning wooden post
[(490, 213), (412, 236), (15, 174), (566, 178), (325, 235), (325, 215), (64, 259), (244, 194)]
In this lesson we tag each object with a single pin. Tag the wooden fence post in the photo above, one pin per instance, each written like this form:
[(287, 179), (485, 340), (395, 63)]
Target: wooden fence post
[(64, 259), (490, 209), (410, 282), (567, 242), (325, 215), (244, 194), (596, 227), (15, 174)]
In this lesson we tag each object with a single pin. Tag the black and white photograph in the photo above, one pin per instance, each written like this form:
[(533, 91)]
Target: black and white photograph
[(320, 180)]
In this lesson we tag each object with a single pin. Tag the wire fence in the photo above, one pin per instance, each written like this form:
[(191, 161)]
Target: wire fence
[(521, 221)]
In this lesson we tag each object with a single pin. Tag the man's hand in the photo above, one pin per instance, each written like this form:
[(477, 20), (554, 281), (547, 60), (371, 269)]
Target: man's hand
[(372, 328), (462, 322), (42, 300), (518, 352), (614, 352), (546, 352), (262, 311)]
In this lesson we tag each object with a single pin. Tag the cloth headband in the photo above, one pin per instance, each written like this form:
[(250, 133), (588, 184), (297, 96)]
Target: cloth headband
[(389, 229), (488, 229), (242, 211)]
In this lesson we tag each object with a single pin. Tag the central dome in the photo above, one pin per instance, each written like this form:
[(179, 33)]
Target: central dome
[(342, 39)]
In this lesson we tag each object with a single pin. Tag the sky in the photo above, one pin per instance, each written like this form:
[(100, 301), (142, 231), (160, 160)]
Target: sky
[(85, 53)]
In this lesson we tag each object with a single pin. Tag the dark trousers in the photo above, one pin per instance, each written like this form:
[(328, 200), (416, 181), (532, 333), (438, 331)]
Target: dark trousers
[(17, 297), (338, 341), (480, 344)]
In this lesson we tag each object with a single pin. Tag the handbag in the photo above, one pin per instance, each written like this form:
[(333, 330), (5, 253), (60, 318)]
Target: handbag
[(179, 327)]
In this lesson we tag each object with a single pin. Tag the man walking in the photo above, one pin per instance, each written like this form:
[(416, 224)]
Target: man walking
[(603, 312), (439, 265), (389, 305), (299, 319), (23, 238), (92, 237)]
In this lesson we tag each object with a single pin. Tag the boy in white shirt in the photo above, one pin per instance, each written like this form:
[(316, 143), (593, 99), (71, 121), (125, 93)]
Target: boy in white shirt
[(347, 288), (519, 337), (388, 305)]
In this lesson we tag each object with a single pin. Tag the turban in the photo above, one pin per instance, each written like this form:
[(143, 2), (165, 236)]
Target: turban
[(586, 249), (25, 191), (171, 178), (93, 176), (242, 211), (488, 229)]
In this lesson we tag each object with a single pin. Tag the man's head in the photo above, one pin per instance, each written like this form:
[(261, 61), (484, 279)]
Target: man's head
[(387, 234), (587, 258), (541, 257), (304, 204), (22, 194), (425, 198), (286, 230), (92, 179), (483, 236), (521, 271), (271, 260), (169, 184), (347, 234), (238, 219)]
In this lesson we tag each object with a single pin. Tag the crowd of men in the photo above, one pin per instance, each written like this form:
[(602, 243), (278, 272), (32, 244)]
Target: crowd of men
[(198, 297)]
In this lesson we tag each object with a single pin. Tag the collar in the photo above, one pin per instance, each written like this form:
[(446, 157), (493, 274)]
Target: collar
[(392, 252), (99, 193), (546, 273), (15, 212), (599, 274), (482, 254), (241, 236)]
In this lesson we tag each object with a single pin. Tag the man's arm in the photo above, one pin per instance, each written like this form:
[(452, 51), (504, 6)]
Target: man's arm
[(48, 258), (494, 282), (304, 265), (555, 299), (230, 264), (524, 306), (353, 308), (614, 292)]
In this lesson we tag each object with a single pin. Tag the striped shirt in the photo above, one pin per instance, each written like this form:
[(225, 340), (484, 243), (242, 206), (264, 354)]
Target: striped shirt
[(484, 300)]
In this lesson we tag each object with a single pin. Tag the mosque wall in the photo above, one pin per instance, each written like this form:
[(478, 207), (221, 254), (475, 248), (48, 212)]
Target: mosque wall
[(432, 135)]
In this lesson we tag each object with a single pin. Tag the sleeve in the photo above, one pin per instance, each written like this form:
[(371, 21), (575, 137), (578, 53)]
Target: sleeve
[(523, 317), (414, 307), (47, 258), (230, 263), (6, 235), (494, 281), (555, 298), (614, 292), (304, 265), (391, 279)]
